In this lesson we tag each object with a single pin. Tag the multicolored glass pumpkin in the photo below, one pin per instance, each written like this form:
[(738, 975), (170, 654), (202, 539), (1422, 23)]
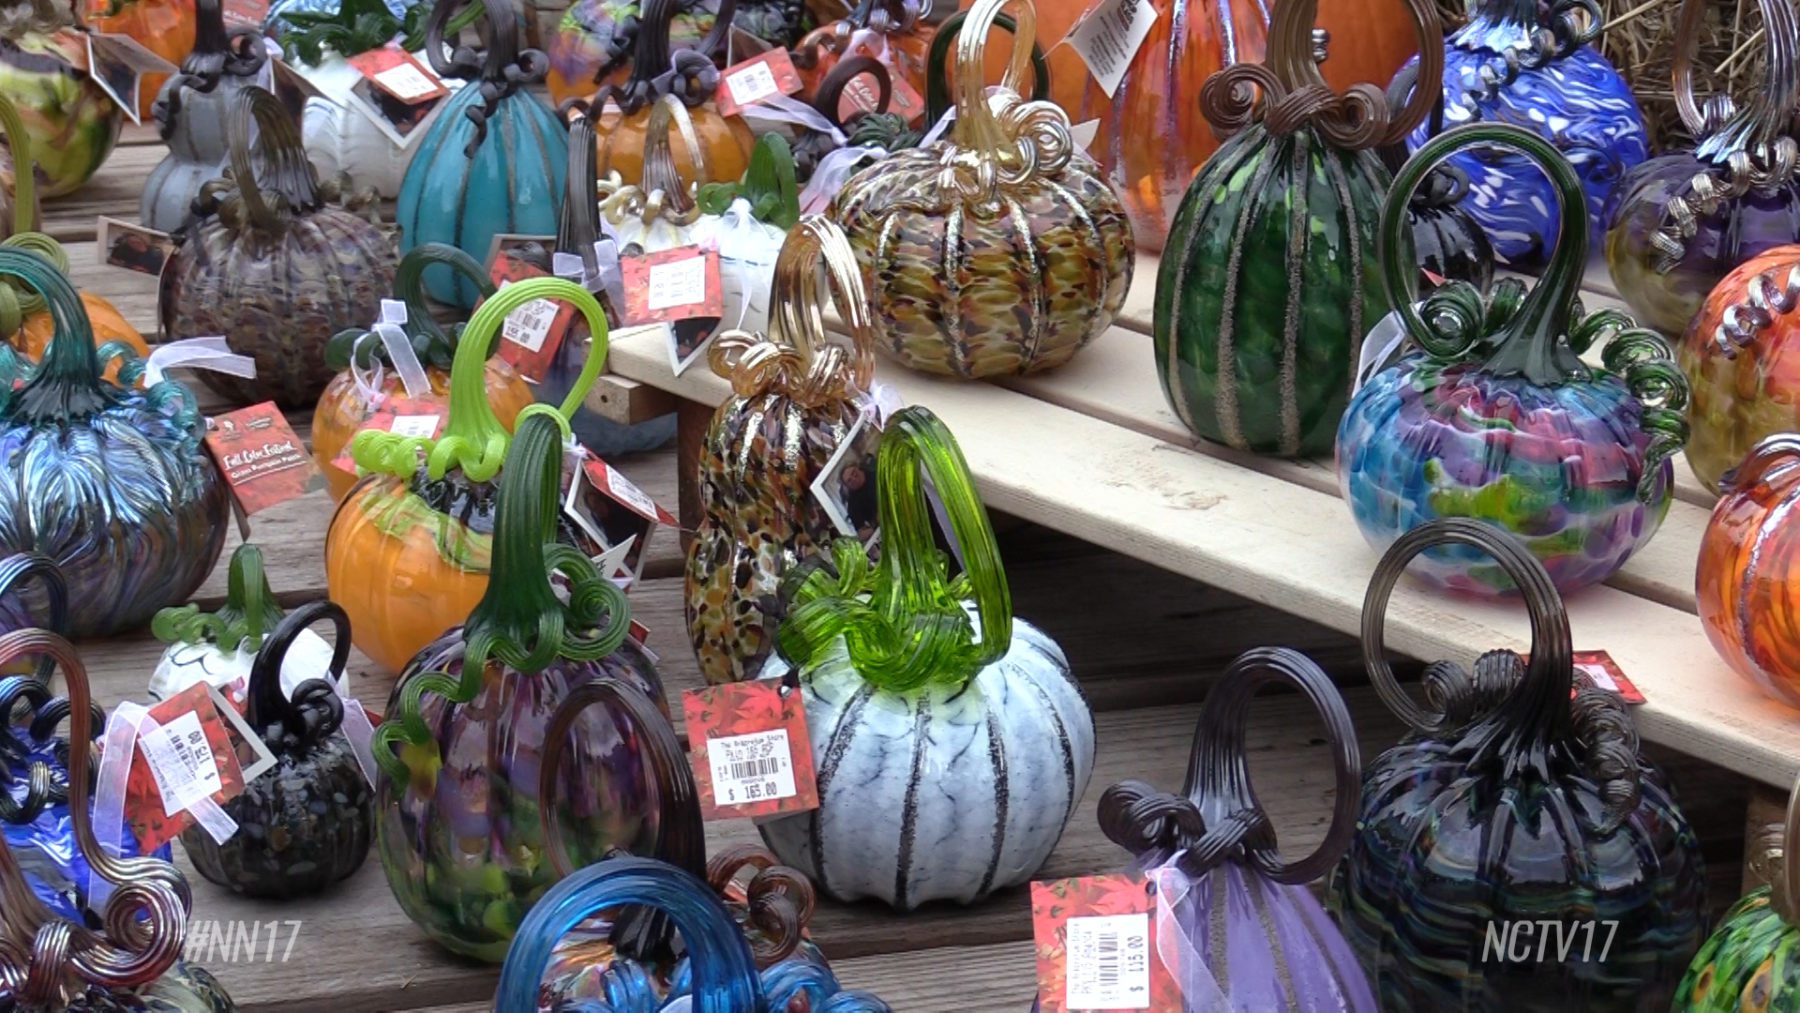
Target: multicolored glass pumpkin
[(110, 481), (1513, 805), (408, 551), (934, 715), (1495, 416), (271, 264), (1748, 962), (46, 607), (1742, 364), (1747, 583), (367, 379), (594, 42), (796, 396), (999, 250), (1270, 277), (70, 966), (1528, 64), (491, 162), (304, 825), (72, 122), (1678, 222), (1224, 892), (171, 29), (217, 648), (718, 975), (463, 751), (191, 112)]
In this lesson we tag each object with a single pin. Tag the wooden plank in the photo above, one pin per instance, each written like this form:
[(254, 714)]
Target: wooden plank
[(116, 192), (1292, 547), (628, 402)]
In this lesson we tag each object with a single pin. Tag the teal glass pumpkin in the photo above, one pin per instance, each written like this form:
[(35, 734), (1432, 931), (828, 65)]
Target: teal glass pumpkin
[(1752, 959), (494, 159), (1270, 278)]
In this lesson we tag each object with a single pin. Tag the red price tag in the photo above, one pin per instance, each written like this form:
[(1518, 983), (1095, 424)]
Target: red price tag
[(862, 95), (757, 79), (263, 460), (1096, 946), (423, 417), (190, 755), (751, 752), (1601, 670), (678, 284), (398, 73), (243, 13)]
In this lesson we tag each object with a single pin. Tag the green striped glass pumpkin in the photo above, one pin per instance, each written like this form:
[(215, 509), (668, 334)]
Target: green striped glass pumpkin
[(1270, 279), (1752, 959)]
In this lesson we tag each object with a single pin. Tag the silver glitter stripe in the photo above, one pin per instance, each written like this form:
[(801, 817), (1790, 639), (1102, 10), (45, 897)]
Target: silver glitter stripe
[(1298, 244), (1225, 401), (1038, 297), (953, 326)]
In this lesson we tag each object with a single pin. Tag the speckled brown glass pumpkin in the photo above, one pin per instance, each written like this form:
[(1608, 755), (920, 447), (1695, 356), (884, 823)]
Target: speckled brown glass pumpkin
[(272, 265), (998, 251)]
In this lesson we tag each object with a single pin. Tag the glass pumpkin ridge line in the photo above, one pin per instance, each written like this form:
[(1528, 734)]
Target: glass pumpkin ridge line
[(23, 566), (250, 609), (22, 197), (502, 69)]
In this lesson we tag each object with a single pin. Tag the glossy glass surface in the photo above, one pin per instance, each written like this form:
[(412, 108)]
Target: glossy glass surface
[(186, 988), (591, 47), (165, 27), (1744, 391), (1747, 583), (191, 110), (1751, 961), (72, 123), (33, 338)]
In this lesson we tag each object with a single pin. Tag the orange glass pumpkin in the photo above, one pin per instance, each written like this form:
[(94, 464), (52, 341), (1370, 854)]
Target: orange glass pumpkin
[(896, 34), (408, 552), (367, 382), (1747, 586), (621, 113), (33, 334), (164, 27)]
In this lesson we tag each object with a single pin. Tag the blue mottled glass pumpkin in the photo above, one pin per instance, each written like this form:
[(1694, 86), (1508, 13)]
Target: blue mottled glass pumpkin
[(493, 160), (1516, 62)]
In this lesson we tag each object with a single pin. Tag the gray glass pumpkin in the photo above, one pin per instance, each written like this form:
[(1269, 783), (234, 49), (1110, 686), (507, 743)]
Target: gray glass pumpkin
[(190, 114)]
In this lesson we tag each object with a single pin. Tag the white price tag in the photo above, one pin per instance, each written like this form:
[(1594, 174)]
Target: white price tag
[(752, 84), (406, 82), (422, 426), (530, 324), (182, 762), (1108, 962), (677, 283), (757, 767), (1108, 36)]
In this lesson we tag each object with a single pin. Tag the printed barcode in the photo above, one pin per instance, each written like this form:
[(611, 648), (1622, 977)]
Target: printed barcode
[(1106, 951), (757, 767), (1107, 962), (753, 769)]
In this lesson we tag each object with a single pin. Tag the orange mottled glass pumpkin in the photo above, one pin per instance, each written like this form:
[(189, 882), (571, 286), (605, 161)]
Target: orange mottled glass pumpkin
[(34, 332), (164, 27), (367, 381), (1747, 586)]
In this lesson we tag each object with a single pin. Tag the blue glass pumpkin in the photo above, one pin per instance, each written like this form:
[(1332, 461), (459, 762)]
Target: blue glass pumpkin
[(1516, 62), (494, 159)]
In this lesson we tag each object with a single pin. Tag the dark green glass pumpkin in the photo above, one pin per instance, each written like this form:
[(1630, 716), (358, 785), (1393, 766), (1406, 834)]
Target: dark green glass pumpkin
[(1752, 960), (1270, 280)]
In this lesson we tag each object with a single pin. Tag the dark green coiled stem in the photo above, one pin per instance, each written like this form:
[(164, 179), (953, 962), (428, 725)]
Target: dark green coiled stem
[(250, 609)]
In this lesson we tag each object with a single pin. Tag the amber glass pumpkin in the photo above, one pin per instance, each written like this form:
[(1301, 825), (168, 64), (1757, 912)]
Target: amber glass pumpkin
[(998, 250), (408, 552), (164, 27), (1749, 962), (621, 112), (892, 31), (368, 379), (1747, 584), (272, 265), (31, 337)]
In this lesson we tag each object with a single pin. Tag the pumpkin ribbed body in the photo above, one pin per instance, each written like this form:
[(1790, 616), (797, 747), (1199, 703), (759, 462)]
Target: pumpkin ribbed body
[(108, 323), (72, 123), (510, 183), (278, 298), (1747, 583), (463, 843), (973, 289), (1269, 282), (759, 520), (1753, 391), (725, 141), (1751, 962), (197, 154), (949, 792)]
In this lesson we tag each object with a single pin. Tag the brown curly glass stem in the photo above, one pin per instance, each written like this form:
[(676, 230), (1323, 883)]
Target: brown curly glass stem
[(830, 98), (1218, 816), (145, 919), (781, 899), (661, 193), (217, 52), (287, 186), (578, 222), (501, 70), (1289, 92)]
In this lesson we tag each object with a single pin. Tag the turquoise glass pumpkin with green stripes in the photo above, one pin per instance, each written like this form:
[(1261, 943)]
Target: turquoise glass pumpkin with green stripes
[(494, 159), (1270, 278)]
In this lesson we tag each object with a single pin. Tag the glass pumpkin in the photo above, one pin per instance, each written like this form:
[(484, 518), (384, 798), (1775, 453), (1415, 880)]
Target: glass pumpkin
[(594, 42), (1528, 64), (408, 551), (145, 522), (796, 396), (1223, 891), (71, 121), (1513, 804), (171, 29), (94, 969), (26, 321), (218, 648), (1446, 239), (367, 380), (19, 210), (463, 752), (934, 715), (271, 264), (1747, 963), (719, 973), (892, 32), (999, 250), (46, 606), (1270, 278), (1746, 586), (191, 112), (1736, 354), (306, 824), (718, 146), (491, 162), (1495, 416), (1679, 222)]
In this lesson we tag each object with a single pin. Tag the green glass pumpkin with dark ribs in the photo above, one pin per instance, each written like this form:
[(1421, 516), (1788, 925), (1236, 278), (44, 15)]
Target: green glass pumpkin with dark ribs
[(1270, 277)]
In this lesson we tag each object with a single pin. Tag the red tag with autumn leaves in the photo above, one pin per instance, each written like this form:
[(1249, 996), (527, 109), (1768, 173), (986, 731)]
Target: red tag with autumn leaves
[(263, 460), (750, 750), (197, 757), (1096, 946)]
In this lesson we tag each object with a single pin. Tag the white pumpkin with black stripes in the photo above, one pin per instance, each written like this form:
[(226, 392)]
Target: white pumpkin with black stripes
[(950, 741)]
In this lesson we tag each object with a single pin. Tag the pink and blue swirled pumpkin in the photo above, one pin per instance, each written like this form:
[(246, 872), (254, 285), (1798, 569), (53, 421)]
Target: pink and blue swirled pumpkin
[(1494, 415), (1530, 66)]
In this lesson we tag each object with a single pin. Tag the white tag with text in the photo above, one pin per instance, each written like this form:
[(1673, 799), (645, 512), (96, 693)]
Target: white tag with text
[(756, 767)]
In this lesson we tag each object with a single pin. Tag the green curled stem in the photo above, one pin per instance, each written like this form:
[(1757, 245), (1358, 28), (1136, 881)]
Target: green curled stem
[(249, 612), (431, 343)]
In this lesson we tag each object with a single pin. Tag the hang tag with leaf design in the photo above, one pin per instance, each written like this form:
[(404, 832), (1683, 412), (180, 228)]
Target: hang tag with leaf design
[(533, 333), (398, 414), (1096, 946), (191, 754), (261, 458), (757, 79), (399, 74), (617, 515), (751, 753), (244, 14)]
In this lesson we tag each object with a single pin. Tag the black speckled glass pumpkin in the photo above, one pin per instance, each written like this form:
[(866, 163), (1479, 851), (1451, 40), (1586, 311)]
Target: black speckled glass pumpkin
[(191, 112), (1513, 805), (307, 823), (272, 264)]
